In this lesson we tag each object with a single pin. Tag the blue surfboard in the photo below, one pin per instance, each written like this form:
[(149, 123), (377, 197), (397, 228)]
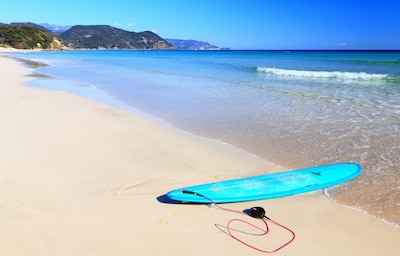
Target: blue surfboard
[(268, 185)]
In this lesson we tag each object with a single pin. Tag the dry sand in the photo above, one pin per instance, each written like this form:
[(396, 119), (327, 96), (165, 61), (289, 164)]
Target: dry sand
[(79, 177)]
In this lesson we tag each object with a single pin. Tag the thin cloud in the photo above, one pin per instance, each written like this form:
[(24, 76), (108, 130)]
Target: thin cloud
[(343, 44)]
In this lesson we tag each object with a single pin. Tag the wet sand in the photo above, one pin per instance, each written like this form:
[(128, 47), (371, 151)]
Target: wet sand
[(79, 177)]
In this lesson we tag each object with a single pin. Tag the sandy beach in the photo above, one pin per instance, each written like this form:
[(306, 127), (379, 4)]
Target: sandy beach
[(79, 177)]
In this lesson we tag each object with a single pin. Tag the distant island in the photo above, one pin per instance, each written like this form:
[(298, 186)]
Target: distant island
[(25, 35), (193, 45)]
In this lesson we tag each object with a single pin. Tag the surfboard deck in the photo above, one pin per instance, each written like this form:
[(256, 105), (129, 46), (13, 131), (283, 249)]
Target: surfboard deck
[(268, 185)]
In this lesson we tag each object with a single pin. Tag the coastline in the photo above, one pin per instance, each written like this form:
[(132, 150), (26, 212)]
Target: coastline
[(84, 177)]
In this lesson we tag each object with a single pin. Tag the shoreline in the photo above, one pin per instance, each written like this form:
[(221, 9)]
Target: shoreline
[(92, 188), (359, 209)]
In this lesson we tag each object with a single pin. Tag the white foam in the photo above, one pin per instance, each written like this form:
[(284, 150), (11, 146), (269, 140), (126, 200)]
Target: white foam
[(321, 74), (359, 209)]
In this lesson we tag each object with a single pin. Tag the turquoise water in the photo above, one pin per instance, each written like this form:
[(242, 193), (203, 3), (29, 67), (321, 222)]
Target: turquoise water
[(295, 108)]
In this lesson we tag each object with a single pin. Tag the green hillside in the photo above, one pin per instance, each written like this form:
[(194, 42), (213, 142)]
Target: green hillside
[(27, 37), (108, 37)]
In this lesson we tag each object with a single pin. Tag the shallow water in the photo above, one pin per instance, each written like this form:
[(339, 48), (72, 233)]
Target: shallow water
[(297, 109)]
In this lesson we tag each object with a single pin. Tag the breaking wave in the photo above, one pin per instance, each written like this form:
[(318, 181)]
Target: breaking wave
[(321, 74)]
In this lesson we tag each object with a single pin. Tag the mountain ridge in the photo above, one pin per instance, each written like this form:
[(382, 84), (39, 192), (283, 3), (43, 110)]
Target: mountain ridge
[(180, 44), (56, 29), (91, 37), (108, 37)]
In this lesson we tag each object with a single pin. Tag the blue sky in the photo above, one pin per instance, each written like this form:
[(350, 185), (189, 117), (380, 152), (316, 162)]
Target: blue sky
[(239, 24)]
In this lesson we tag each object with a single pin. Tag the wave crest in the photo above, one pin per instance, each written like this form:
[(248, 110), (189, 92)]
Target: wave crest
[(321, 74)]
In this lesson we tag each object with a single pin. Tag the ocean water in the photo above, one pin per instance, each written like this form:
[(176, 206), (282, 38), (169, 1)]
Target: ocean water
[(295, 108)]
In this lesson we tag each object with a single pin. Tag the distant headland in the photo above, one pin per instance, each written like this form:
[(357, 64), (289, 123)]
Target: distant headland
[(26, 35)]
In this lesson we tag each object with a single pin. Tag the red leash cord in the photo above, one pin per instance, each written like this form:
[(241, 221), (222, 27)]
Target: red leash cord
[(264, 230), (256, 212)]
